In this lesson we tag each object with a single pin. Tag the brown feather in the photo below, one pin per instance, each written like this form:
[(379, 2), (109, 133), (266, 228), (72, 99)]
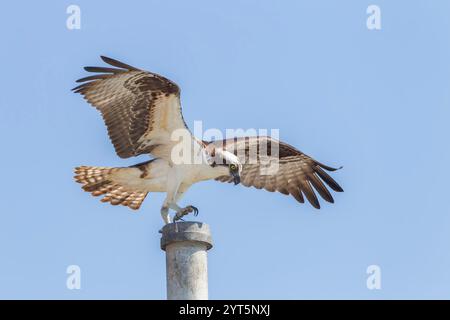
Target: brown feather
[(104, 70), (308, 191), (320, 187), (98, 181), (328, 180), (118, 64), (94, 77), (296, 193)]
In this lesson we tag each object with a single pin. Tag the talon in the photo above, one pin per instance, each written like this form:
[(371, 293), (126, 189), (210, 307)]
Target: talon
[(185, 211), (195, 211)]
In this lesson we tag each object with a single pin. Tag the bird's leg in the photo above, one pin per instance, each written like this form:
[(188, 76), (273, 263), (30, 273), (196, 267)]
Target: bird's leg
[(165, 214), (174, 195), (179, 212), (173, 183)]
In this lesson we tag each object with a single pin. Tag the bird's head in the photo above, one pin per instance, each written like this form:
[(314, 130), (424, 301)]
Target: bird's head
[(229, 163), (234, 166)]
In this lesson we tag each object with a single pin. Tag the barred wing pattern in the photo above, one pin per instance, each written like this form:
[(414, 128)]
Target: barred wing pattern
[(298, 174), (140, 109)]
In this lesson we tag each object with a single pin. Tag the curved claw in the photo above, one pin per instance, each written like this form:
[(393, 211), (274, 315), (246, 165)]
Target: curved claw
[(179, 215), (195, 209)]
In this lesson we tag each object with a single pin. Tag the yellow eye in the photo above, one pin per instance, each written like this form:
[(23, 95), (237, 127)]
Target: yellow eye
[(233, 167)]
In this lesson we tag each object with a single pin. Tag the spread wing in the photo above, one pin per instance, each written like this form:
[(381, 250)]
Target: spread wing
[(294, 173), (140, 109)]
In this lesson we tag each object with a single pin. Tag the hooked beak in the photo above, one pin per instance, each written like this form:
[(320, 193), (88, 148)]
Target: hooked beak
[(236, 178)]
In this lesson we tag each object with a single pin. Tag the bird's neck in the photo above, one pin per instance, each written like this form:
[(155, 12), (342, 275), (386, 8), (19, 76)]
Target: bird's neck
[(208, 172)]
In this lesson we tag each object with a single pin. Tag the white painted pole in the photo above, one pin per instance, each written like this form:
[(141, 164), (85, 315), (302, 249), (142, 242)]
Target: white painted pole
[(186, 244)]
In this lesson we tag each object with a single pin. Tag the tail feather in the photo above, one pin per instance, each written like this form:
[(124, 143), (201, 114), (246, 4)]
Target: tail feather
[(99, 181)]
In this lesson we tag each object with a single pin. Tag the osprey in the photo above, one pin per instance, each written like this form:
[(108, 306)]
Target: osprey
[(142, 112)]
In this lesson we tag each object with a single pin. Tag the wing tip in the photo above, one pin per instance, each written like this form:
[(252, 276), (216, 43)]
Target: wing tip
[(117, 63), (106, 59), (328, 168), (79, 88), (76, 89)]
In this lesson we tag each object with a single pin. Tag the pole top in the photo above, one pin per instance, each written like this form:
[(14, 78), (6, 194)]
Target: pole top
[(186, 231)]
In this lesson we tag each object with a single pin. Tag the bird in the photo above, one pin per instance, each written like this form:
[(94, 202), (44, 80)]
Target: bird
[(143, 115)]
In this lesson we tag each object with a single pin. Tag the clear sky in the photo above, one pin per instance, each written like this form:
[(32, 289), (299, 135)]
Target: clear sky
[(374, 101)]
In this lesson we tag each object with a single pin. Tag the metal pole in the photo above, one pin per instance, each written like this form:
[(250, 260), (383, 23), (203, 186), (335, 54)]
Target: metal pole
[(185, 244)]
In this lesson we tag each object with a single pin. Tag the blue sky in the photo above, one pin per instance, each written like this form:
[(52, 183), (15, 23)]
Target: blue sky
[(376, 102)]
